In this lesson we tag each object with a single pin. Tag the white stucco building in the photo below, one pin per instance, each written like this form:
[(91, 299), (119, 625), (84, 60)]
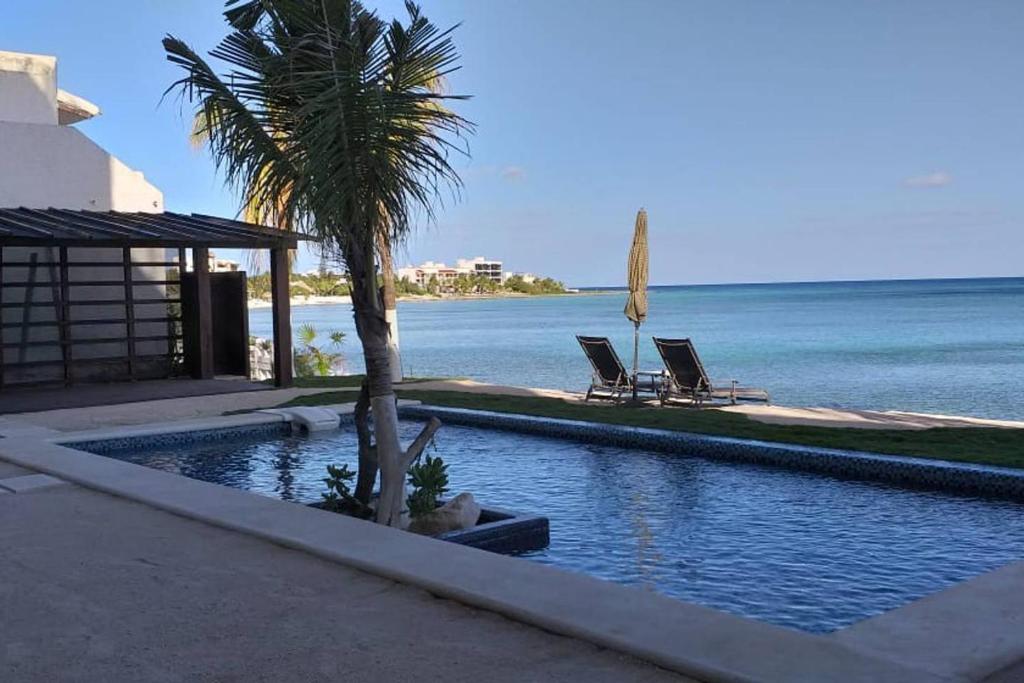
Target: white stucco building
[(485, 267), (445, 275), (47, 163), (91, 281), (44, 160)]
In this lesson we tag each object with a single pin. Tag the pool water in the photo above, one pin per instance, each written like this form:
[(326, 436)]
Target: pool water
[(796, 549)]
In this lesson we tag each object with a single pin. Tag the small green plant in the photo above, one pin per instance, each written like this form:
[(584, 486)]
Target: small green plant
[(338, 497), (313, 359), (429, 480)]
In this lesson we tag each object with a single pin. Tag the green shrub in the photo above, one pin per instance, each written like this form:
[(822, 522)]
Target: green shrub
[(429, 481), (313, 360), (338, 497)]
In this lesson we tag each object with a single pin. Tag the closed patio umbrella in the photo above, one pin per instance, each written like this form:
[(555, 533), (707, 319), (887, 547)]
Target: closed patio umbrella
[(636, 278)]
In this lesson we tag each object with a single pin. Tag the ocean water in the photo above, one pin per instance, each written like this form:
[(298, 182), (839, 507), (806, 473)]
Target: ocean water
[(941, 346)]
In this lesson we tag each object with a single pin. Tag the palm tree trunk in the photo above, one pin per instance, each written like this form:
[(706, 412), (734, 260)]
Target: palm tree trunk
[(372, 328), (367, 477), (387, 272)]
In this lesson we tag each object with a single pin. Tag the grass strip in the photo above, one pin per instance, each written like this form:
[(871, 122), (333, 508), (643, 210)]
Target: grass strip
[(980, 445)]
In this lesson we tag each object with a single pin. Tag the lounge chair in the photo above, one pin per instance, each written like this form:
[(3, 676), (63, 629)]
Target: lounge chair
[(611, 380), (685, 378)]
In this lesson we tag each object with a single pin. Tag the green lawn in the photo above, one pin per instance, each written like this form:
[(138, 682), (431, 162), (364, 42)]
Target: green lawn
[(993, 446)]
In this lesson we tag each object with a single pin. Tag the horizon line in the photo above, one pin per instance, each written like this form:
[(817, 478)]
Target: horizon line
[(807, 282)]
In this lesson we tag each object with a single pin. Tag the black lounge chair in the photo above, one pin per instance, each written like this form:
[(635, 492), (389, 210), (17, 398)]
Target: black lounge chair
[(685, 378), (610, 377)]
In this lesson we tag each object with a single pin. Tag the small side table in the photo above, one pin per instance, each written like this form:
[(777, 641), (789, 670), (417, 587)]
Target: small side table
[(649, 380)]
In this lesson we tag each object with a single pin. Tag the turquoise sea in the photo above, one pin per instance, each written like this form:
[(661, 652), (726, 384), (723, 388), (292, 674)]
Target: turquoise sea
[(941, 346)]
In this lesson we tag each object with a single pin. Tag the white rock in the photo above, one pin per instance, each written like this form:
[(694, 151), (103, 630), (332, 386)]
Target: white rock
[(461, 512)]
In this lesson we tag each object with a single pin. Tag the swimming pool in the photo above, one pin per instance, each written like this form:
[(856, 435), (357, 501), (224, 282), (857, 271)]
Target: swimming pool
[(792, 548)]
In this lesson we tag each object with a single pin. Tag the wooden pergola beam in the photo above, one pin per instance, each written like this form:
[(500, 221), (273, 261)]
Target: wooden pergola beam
[(203, 367)]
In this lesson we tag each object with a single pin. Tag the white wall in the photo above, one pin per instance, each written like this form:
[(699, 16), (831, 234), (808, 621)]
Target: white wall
[(43, 166), (28, 88)]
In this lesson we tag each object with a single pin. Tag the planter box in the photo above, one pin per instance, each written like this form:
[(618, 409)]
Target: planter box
[(499, 531)]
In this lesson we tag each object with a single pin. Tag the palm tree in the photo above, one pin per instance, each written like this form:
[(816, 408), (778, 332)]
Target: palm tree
[(272, 216), (198, 138), (328, 121)]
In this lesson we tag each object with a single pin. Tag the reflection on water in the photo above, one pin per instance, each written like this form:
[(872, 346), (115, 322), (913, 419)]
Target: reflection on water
[(791, 548)]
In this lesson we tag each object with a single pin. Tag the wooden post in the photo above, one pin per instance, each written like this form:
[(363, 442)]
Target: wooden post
[(281, 303), (65, 316), (30, 292), (2, 318), (129, 308), (204, 310)]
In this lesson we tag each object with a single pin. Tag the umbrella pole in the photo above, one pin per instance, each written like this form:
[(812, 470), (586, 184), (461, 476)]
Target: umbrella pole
[(636, 357)]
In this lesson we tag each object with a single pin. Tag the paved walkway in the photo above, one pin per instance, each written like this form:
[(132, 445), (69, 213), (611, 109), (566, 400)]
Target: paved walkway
[(23, 400), (78, 419), (97, 588)]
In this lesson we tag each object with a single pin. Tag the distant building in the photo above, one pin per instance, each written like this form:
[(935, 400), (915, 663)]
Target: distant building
[(216, 265), (528, 278), (481, 266), (222, 265), (410, 273), (339, 278), (446, 275)]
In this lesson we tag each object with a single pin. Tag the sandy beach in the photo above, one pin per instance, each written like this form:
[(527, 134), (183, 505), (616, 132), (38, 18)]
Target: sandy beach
[(768, 414), (305, 301), (337, 300)]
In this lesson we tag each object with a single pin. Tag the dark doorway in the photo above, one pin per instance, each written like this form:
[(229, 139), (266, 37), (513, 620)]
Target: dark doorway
[(230, 323)]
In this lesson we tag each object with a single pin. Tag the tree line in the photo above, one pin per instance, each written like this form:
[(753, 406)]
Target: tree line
[(332, 284)]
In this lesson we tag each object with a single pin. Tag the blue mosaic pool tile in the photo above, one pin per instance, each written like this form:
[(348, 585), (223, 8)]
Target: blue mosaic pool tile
[(245, 432), (904, 471)]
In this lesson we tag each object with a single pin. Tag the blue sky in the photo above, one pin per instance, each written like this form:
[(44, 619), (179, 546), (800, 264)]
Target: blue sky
[(769, 141)]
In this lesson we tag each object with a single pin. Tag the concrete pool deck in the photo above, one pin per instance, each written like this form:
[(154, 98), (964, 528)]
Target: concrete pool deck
[(697, 642), (143, 412), (99, 588), (967, 633)]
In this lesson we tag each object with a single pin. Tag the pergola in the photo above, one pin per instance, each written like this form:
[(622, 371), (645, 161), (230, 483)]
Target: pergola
[(65, 229)]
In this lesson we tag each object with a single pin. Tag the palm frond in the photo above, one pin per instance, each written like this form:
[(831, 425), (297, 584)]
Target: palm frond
[(236, 128), (306, 334), (330, 118)]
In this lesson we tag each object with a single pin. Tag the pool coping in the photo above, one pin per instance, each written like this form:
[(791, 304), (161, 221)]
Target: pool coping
[(906, 471), (700, 642)]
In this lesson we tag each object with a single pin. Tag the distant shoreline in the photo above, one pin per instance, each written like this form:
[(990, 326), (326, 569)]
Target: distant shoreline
[(297, 301), (609, 290)]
